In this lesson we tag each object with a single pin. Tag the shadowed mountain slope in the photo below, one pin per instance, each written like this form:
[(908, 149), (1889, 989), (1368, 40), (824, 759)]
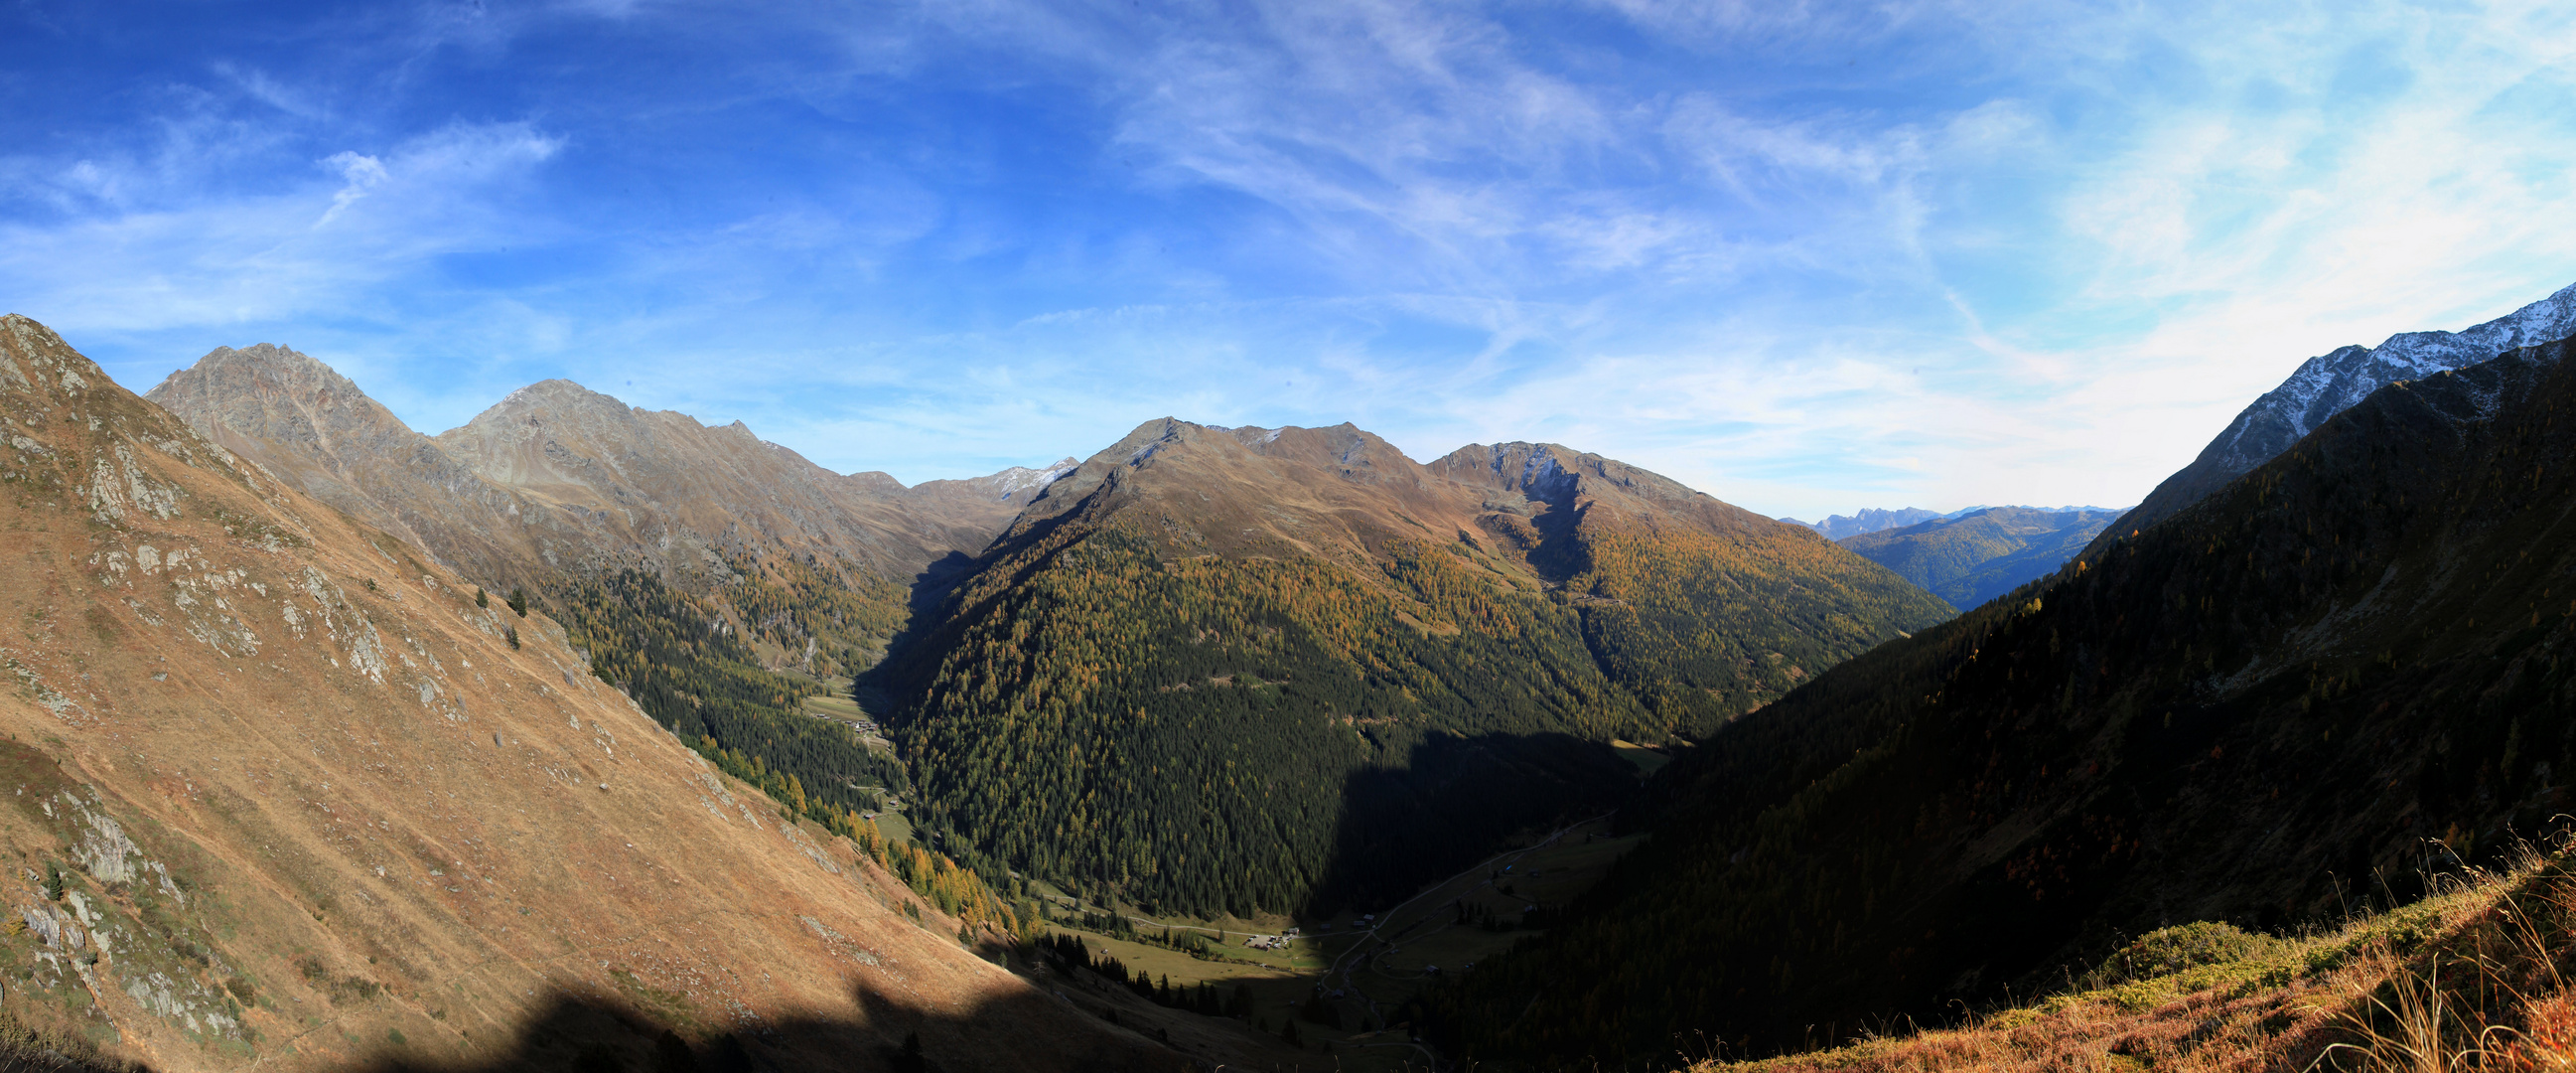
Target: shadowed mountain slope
[(283, 796), (2258, 710), (1975, 557), (1214, 668)]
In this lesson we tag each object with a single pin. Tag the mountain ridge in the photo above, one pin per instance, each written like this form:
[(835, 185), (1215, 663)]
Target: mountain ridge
[(1376, 638), (1840, 527), (555, 476), (2329, 383)]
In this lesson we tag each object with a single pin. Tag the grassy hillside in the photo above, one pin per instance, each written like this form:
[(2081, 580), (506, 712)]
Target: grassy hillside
[(1974, 558), (2259, 710)]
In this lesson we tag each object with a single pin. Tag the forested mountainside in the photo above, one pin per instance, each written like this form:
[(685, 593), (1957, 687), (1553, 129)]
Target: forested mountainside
[(691, 564), (286, 795), (2325, 385), (2258, 710), (1974, 557), (1242, 669)]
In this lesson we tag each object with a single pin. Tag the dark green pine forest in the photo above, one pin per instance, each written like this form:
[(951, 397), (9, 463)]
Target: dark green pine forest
[(2270, 708), (687, 666)]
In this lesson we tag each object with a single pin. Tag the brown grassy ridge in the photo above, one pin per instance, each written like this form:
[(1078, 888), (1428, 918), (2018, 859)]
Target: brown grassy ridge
[(2479, 975)]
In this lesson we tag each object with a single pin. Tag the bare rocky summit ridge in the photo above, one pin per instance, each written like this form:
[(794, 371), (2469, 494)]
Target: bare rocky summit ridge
[(556, 477), (314, 429), (284, 796)]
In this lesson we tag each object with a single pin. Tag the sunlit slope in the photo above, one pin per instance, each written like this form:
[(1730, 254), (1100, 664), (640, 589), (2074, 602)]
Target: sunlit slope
[(1245, 668), (712, 576), (282, 795), (2258, 711)]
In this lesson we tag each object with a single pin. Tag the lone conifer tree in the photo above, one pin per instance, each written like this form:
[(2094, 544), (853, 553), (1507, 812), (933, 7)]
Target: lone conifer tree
[(519, 602), (482, 599)]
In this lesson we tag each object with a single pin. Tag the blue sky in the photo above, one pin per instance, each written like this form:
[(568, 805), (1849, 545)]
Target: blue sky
[(1807, 257)]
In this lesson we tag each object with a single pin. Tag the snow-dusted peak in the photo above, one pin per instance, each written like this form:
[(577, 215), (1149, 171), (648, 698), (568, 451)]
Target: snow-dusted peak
[(1021, 478), (2330, 383)]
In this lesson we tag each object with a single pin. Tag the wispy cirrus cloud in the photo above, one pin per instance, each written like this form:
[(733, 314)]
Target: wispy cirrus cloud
[(316, 244)]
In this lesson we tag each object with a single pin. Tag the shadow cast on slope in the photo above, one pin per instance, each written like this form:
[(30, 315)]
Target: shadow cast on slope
[(596, 1033), (1456, 801)]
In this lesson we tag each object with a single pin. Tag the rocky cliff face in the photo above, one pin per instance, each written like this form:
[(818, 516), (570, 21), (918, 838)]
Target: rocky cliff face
[(282, 795), (2331, 383)]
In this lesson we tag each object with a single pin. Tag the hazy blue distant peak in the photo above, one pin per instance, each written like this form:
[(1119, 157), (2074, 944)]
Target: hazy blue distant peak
[(1867, 520), (1965, 511), (1874, 519)]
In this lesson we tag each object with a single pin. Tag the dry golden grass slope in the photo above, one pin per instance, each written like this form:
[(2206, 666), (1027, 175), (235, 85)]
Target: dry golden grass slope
[(280, 795), (2481, 975)]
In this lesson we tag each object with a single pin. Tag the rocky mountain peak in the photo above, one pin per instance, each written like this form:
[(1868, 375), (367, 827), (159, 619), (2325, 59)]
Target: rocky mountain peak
[(549, 400), (44, 360)]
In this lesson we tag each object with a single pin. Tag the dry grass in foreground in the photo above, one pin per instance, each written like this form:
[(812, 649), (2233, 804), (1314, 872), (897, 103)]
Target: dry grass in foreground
[(2481, 975)]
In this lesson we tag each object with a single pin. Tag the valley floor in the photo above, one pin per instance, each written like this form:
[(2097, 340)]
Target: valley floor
[(1368, 969)]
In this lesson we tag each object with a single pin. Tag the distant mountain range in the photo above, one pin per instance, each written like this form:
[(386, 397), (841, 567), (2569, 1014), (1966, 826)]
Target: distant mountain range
[(1873, 519), (1976, 555), (1969, 555)]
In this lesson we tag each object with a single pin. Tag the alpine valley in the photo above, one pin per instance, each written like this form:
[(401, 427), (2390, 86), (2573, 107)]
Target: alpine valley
[(587, 737)]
